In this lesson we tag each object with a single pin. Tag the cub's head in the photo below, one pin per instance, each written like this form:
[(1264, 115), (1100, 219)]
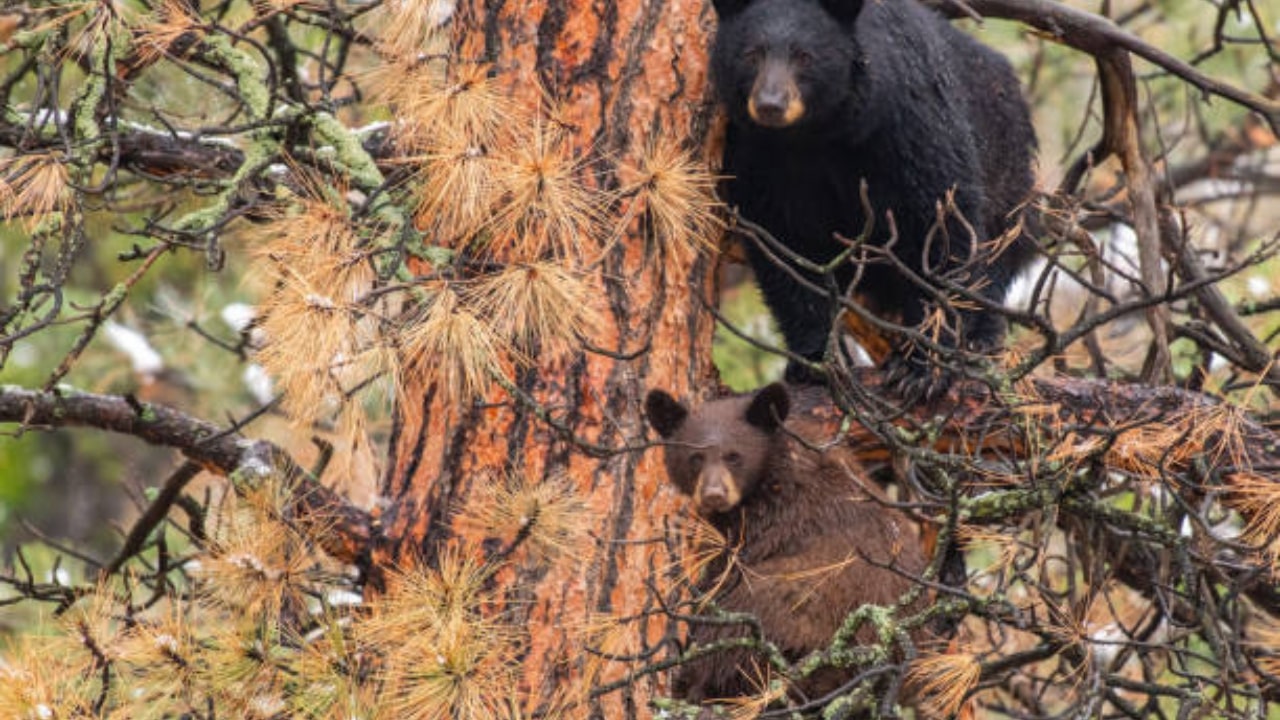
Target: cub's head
[(719, 453), (784, 63)]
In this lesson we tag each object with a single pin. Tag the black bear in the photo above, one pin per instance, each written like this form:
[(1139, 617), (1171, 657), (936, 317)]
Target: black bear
[(803, 530), (824, 94)]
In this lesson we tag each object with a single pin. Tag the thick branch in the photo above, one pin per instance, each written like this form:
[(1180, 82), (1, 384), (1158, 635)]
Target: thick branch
[(1069, 414), (177, 154), (152, 152), (977, 423), (1123, 137), (347, 530)]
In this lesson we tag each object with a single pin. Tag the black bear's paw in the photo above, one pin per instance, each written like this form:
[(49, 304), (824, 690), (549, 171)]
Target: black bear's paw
[(916, 379)]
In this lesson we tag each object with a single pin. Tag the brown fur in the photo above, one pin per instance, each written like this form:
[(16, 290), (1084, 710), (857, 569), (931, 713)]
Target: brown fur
[(801, 532)]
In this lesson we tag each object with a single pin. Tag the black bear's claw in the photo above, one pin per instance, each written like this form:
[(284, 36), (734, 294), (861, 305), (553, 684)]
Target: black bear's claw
[(916, 379)]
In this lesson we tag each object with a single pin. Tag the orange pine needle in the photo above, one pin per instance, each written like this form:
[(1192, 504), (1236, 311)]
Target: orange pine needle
[(548, 513), (677, 194), (545, 210), (538, 306), (450, 345), (408, 28), (466, 108), (944, 680), (457, 191), (32, 186), (171, 20)]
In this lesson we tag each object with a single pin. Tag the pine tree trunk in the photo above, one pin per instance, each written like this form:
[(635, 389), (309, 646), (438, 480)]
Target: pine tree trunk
[(618, 71)]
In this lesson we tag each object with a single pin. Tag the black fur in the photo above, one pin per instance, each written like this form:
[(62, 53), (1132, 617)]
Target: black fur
[(894, 95)]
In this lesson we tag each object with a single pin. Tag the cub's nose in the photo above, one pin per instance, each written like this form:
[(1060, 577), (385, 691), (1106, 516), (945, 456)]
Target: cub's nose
[(714, 497), (714, 500)]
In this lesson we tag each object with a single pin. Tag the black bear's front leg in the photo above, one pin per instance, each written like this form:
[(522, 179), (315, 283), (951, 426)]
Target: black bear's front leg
[(942, 316), (803, 314)]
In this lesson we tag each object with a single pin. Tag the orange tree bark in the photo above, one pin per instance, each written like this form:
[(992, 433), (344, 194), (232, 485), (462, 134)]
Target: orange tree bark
[(618, 72)]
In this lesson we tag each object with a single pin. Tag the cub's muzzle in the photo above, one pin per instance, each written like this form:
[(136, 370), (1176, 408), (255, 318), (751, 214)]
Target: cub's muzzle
[(717, 491)]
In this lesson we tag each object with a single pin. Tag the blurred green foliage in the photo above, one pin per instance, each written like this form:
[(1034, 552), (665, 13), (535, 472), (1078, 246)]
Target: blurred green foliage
[(744, 366)]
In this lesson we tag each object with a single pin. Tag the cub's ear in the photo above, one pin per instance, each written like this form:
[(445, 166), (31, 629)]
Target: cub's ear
[(844, 11), (664, 413), (728, 8), (770, 407)]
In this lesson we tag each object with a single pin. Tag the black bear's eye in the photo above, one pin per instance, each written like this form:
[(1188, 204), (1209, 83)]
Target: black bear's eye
[(801, 58), (695, 462), (733, 457), (753, 55)]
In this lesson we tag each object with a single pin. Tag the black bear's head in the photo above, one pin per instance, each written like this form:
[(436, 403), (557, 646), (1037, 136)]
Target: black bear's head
[(719, 453), (783, 63)]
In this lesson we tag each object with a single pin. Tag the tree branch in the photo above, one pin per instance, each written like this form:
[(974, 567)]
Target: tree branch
[(1100, 36), (345, 531), (1101, 422)]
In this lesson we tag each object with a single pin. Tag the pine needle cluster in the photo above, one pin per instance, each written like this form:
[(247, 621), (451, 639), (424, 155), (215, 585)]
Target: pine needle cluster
[(544, 518), (943, 681), (164, 26), (32, 186), (447, 344), (676, 196), (408, 28), (1257, 498), (442, 656), (544, 309), (36, 684), (324, 336), (258, 623)]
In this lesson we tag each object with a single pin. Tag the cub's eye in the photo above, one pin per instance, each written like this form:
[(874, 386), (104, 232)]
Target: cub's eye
[(695, 462), (801, 58), (753, 55), (733, 457)]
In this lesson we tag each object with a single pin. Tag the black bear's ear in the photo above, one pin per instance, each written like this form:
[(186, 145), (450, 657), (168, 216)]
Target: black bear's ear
[(664, 413), (844, 11), (769, 407), (727, 8)]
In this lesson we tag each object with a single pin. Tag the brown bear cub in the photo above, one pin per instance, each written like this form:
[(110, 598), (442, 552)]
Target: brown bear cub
[(802, 529)]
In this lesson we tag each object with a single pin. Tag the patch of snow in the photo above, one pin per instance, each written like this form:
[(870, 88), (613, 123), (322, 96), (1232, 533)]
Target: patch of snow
[(1259, 286), (344, 598), (255, 466), (258, 382), (134, 345), (237, 316), (440, 12)]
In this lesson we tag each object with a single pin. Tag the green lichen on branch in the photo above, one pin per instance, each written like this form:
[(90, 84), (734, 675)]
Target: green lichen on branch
[(1004, 504), (250, 80), (349, 153), (84, 112), (263, 148)]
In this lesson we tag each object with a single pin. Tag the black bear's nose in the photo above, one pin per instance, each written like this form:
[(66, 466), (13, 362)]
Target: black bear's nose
[(771, 106), (775, 99)]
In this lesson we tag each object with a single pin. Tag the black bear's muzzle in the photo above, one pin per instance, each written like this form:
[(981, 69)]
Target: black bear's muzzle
[(775, 99)]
